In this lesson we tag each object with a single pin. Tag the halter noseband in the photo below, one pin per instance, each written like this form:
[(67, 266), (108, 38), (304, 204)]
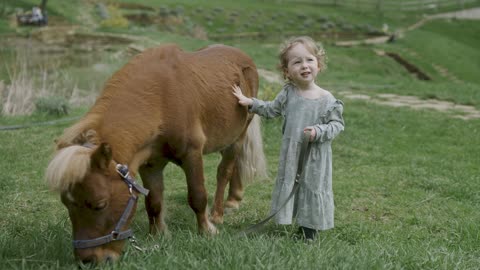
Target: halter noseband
[(116, 234)]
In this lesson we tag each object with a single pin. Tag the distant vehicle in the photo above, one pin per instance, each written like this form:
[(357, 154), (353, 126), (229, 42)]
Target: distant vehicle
[(35, 17)]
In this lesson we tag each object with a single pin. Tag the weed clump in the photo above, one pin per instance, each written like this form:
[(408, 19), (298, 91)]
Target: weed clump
[(115, 18), (52, 105)]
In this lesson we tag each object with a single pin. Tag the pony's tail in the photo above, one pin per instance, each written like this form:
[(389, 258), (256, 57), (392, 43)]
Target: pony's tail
[(251, 162)]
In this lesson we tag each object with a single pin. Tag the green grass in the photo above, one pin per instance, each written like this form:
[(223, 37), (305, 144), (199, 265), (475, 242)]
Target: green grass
[(405, 182), (430, 43), (405, 193)]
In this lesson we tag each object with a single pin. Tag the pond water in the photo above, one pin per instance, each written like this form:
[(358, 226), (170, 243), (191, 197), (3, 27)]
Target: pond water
[(40, 56), (76, 72)]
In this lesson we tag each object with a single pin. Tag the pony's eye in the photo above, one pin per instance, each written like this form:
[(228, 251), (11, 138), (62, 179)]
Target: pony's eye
[(68, 200), (100, 206), (96, 206)]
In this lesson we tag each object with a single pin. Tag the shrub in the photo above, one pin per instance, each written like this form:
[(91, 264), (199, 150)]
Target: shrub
[(115, 19), (52, 105), (268, 91)]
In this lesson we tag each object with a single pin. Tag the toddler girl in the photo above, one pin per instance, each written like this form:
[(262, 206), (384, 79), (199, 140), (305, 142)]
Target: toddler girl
[(305, 106)]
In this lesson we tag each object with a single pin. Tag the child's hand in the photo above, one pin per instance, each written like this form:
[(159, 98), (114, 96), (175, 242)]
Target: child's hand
[(242, 100), (312, 132)]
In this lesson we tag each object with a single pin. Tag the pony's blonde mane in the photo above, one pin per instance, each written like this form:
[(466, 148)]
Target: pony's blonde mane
[(72, 161), (68, 166)]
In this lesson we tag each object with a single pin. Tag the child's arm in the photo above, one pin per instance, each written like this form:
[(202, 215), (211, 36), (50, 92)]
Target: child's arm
[(334, 125), (268, 109)]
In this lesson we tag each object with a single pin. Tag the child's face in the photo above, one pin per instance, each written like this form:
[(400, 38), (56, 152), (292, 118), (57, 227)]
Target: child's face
[(302, 66)]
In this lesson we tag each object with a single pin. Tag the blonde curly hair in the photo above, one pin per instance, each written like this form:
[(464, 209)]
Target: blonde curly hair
[(313, 47)]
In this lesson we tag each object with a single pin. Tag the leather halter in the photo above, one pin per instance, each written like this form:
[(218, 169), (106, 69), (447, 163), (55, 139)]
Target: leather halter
[(116, 234)]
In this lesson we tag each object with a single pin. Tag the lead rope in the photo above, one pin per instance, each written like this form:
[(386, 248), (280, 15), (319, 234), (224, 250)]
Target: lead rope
[(138, 247), (134, 243)]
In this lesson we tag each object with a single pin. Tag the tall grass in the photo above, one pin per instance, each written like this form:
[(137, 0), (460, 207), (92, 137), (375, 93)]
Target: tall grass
[(19, 97), (40, 86)]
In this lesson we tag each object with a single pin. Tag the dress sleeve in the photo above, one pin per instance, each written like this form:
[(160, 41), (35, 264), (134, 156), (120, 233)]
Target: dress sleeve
[(270, 109), (334, 124)]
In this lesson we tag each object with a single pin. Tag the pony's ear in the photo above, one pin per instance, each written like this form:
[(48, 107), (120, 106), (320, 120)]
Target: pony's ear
[(91, 137), (102, 156)]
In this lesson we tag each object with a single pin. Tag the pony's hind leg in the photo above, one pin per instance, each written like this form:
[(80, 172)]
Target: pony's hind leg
[(225, 171), (192, 165), (235, 191), (152, 177), (249, 162)]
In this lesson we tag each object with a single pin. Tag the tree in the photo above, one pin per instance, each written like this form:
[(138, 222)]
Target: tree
[(43, 5)]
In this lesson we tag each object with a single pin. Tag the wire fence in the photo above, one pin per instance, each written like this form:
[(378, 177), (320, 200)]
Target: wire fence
[(391, 5)]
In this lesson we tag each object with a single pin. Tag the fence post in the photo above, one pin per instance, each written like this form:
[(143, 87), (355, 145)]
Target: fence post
[(379, 8), (379, 5)]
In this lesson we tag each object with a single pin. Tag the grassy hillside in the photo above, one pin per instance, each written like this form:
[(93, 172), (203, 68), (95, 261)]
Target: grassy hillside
[(405, 181)]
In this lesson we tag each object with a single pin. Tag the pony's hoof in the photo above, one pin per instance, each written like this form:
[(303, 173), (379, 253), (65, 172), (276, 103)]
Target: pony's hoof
[(158, 229), (216, 219), (232, 205), (212, 230), (208, 229), (229, 211)]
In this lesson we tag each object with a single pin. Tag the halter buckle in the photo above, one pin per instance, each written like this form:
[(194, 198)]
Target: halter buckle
[(114, 235), (122, 170)]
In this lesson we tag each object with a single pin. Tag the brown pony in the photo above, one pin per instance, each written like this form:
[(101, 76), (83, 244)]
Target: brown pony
[(165, 105)]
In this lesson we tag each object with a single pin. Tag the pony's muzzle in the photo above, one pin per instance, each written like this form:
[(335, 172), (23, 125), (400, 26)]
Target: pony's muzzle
[(96, 256)]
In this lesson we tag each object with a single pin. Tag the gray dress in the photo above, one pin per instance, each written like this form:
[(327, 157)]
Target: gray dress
[(313, 204)]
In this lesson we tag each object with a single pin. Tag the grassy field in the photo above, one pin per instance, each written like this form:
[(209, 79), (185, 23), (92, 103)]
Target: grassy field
[(405, 181)]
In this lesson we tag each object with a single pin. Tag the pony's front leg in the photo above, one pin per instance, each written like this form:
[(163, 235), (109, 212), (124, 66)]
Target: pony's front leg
[(192, 165), (224, 173), (152, 177)]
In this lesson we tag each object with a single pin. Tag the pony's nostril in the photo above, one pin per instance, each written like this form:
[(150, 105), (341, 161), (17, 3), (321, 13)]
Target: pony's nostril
[(109, 259), (89, 260)]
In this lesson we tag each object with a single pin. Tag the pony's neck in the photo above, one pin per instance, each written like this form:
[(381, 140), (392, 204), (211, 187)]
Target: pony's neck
[(130, 138), (129, 146)]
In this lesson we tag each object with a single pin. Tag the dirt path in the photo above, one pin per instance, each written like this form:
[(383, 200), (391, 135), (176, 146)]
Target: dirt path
[(452, 109), (467, 14)]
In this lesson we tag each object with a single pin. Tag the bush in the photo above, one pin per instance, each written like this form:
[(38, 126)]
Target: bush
[(115, 19), (52, 105), (269, 91)]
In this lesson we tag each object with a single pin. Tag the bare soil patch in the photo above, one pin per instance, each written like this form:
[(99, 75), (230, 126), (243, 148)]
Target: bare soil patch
[(406, 64)]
